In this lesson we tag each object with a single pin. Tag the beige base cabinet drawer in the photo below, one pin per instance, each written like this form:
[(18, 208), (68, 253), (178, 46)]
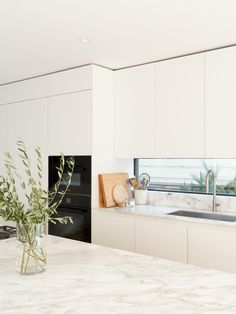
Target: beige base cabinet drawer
[(212, 247), (161, 239), (116, 231)]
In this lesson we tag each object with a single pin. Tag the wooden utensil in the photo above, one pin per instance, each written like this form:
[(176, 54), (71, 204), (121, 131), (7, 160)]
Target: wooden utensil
[(134, 183)]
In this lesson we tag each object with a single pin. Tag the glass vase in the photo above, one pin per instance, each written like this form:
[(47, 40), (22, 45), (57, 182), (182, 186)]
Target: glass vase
[(31, 248)]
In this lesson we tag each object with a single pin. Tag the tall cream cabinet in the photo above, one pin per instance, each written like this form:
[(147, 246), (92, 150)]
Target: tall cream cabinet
[(135, 111), (27, 121), (68, 112), (221, 103), (64, 82), (180, 107), (53, 111), (57, 124), (70, 124)]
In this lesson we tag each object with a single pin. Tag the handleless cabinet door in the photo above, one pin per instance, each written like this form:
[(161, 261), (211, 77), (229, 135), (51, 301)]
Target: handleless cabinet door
[(180, 107), (113, 230), (27, 121), (135, 112), (161, 239), (221, 103), (212, 247), (70, 124)]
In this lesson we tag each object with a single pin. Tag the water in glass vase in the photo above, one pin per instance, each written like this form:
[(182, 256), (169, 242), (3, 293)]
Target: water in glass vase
[(31, 248)]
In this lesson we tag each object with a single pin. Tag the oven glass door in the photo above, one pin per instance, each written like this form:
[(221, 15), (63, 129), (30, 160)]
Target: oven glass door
[(81, 177), (79, 230)]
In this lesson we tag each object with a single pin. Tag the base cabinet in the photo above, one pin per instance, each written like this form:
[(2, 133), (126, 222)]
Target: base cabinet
[(161, 239), (148, 236), (212, 247), (204, 245), (113, 230)]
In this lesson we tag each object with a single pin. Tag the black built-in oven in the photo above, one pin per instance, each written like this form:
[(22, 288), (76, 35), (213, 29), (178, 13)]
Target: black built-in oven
[(76, 202)]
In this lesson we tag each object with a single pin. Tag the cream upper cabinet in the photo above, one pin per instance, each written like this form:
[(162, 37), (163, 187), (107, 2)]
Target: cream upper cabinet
[(4, 129), (221, 103), (180, 107), (27, 121), (70, 124), (135, 125)]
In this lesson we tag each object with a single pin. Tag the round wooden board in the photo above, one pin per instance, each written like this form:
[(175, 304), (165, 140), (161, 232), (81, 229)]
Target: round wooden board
[(120, 194)]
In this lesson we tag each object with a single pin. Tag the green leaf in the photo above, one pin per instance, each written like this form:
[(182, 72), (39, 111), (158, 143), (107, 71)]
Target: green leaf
[(40, 204)]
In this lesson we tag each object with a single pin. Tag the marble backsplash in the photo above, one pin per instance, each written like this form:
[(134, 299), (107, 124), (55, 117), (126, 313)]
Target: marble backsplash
[(191, 201)]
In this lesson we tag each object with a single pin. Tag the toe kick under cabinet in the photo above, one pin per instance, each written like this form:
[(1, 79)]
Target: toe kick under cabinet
[(210, 245)]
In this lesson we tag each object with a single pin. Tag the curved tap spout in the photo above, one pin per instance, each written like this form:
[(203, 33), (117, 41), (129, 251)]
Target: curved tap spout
[(214, 203)]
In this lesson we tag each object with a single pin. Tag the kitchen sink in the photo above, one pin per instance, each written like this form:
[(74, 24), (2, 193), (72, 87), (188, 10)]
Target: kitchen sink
[(212, 216)]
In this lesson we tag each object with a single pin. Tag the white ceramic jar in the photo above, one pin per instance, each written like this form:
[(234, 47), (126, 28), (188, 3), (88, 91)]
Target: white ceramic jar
[(140, 197)]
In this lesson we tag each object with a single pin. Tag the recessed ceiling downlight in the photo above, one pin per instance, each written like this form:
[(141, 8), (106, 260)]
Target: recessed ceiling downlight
[(85, 40)]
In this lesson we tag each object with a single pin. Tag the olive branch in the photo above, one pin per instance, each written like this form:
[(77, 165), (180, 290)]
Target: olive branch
[(40, 204)]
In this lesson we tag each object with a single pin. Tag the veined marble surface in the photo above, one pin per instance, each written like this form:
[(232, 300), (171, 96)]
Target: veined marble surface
[(84, 278), (162, 213), (192, 201)]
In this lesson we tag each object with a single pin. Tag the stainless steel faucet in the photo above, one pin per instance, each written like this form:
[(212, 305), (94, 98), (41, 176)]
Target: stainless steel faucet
[(214, 203)]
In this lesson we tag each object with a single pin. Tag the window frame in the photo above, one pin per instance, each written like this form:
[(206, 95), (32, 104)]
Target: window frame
[(151, 188)]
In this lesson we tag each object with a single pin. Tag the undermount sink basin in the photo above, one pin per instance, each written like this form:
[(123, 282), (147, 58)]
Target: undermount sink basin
[(212, 216)]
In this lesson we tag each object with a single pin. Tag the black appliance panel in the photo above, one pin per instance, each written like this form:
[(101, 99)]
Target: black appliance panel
[(79, 230), (77, 200), (78, 194)]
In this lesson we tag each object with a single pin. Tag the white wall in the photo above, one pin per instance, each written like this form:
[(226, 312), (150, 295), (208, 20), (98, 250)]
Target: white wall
[(103, 131)]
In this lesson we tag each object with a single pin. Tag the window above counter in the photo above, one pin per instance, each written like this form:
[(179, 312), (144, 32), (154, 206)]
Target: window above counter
[(189, 175)]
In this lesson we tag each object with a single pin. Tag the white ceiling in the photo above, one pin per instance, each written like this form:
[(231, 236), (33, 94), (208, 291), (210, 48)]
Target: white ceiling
[(40, 36)]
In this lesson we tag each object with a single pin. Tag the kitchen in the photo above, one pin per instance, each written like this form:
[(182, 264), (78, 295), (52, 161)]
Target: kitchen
[(116, 109)]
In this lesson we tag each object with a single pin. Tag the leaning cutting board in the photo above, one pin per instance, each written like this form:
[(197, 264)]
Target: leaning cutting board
[(107, 181)]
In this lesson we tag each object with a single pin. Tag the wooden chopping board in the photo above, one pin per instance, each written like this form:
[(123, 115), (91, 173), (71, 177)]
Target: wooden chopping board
[(107, 181), (120, 195)]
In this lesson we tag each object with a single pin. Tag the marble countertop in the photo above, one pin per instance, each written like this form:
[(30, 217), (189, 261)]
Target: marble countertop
[(162, 212), (85, 278)]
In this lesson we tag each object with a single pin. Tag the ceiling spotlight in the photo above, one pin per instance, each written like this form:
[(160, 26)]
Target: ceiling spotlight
[(84, 40)]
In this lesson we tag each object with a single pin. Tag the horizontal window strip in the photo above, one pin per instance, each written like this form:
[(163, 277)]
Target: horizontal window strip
[(188, 175)]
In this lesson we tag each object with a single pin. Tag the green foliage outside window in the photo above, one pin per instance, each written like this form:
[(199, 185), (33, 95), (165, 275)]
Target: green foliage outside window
[(198, 183)]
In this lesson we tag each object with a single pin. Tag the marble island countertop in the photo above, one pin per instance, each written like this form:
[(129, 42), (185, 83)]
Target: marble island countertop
[(163, 211), (84, 278)]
